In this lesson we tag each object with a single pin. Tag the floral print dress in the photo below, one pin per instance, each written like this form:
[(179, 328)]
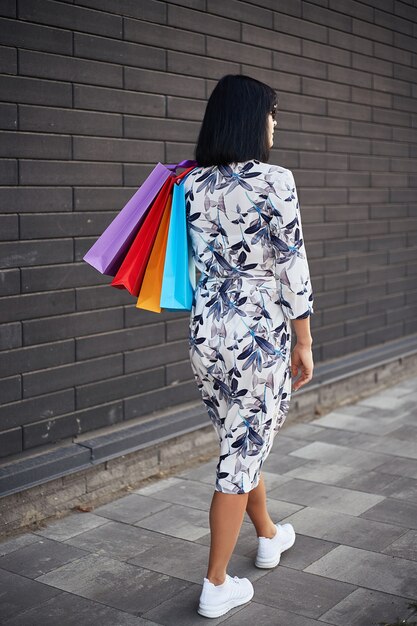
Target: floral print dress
[(246, 237)]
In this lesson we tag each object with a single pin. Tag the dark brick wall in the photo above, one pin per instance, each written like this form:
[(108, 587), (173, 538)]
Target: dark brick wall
[(95, 92)]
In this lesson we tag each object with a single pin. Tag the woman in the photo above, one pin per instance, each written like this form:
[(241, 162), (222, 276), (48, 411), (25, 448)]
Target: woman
[(245, 229)]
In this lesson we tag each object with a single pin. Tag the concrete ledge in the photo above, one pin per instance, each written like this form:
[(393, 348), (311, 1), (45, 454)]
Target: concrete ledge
[(94, 469)]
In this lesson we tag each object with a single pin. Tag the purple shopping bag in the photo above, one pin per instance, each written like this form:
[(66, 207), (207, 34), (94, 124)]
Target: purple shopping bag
[(107, 253)]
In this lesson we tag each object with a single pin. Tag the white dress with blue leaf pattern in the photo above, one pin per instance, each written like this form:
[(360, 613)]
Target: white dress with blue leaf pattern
[(245, 232)]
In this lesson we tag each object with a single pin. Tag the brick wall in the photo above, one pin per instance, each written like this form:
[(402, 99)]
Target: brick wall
[(95, 92)]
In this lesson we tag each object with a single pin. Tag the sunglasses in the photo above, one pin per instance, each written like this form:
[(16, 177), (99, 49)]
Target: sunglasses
[(274, 112)]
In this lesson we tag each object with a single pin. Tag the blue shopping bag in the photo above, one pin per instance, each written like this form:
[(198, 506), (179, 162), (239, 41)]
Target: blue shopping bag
[(179, 277)]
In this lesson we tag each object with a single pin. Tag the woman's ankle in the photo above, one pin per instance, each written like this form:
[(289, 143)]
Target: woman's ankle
[(216, 580)]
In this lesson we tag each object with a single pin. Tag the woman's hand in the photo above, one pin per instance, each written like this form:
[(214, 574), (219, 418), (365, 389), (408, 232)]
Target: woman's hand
[(301, 362)]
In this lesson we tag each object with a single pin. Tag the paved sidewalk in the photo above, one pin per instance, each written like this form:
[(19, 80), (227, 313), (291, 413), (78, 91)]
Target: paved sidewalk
[(346, 481)]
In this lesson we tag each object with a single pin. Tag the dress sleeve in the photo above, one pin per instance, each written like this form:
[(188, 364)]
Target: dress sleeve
[(291, 263)]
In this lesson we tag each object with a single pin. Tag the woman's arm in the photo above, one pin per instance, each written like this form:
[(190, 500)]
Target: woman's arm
[(303, 332)]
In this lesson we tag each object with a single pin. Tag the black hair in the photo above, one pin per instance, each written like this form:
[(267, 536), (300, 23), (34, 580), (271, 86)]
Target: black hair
[(234, 127)]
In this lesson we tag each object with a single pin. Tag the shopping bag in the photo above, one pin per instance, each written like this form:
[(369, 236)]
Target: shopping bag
[(108, 252), (130, 273), (178, 282), (150, 292)]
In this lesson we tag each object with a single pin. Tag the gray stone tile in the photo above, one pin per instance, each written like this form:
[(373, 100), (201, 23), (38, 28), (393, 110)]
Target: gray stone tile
[(383, 400), (19, 593), (332, 453), (397, 466), (204, 473), (307, 431), (404, 547), (325, 497), (365, 607), (392, 446), (70, 525), (14, 543), (70, 610), (281, 463), (371, 481), (284, 443), (131, 508), (328, 473), (403, 489), (120, 585), (117, 540), (406, 431), (181, 610), (300, 592), (340, 437), (262, 615), (187, 493), (178, 521), (157, 485), (389, 574), (368, 425), (394, 512), (39, 557), (344, 529)]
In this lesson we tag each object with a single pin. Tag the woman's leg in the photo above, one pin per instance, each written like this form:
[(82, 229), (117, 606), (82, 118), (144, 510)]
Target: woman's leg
[(258, 512), (226, 516)]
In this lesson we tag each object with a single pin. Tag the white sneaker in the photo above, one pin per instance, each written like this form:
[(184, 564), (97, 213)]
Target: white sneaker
[(216, 600), (269, 550)]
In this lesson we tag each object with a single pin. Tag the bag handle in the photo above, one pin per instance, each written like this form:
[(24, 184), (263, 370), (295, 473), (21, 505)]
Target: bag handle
[(185, 163)]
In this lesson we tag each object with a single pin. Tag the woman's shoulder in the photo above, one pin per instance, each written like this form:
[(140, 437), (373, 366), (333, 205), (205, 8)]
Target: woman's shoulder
[(250, 168)]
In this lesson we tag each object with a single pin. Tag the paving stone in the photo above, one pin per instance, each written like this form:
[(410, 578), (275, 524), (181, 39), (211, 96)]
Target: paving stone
[(204, 473), (398, 467), (332, 453), (131, 508), (372, 426), (117, 540), (71, 525), (262, 615), (282, 463), (344, 529), (39, 557), (157, 485), (300, 592), (368, 569), (404, 547), (365, 607), (70, 610), (370, 481), (188, 493), (402, 489), (326, 497), (178, 521), (120, 585), (328, 473), (14, 543), (19, 593), (304, 431), (392, 446), (394, 512)]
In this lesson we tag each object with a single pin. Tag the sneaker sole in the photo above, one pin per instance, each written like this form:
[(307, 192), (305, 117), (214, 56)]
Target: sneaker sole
[(217, 611), (264, 564)]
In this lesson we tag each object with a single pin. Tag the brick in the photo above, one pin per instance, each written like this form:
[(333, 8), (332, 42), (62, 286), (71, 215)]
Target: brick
[(104, 199), (8, 167), (23, 307), (68, 68), (71, 374), (160, 129), (179, 372), (148, 10), (241, 12), (373, 131), (238, 52), (116, 150), (22, 412), (70, 16), (71, 325), (28, 145), (135, 360), (71, 224), (32, 199), (120, 388), (299, 27), (162, 398), (316, 87), (26, 359), (35, 91), (164, 83), (10, 337), (173, 38), (204, 66), (350, 42), (120, 341), (34, 36), (203, 22), (44, 119), (114, 51), (10, 390), (8, 60), (8, 116), (72, 424), (9, 227), (267, 38), (10, 442), (294, 64), (71, 172), (118, 101), (24, 253)]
